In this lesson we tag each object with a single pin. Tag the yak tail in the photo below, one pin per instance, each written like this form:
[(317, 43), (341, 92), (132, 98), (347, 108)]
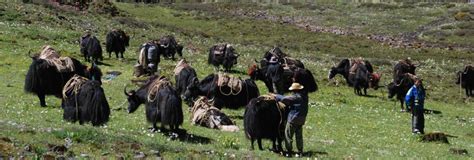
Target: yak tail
[(32, 80), (171, 111), (95, 108)]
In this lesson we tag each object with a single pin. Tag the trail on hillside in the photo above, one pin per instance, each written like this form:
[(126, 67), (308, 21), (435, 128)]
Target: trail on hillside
[(403, 40)]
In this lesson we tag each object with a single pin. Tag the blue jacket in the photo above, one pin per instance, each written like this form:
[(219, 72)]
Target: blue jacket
[(415, 97), (298, 105)]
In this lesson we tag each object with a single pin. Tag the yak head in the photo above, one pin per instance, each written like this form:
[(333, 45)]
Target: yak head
[(133, 100), (254, 72), (332, 73), (192, 91), (392, 89)]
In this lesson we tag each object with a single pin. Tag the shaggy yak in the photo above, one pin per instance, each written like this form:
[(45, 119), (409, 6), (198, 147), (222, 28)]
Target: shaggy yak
[(222, 54), (90, 48), (403, 73), (265, 118), (283, 77), (184, 75), (222, 95), (162, 103), (116, 41), (358, 74), (466, 79), (84, 101), (47, 77), (168, 47)]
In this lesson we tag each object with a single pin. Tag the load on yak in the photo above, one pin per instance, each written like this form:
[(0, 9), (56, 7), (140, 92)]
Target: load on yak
[(162, 102), (223, 90), (148, 59), (222, 54), (205, 114), (84, 101), (48, 72)]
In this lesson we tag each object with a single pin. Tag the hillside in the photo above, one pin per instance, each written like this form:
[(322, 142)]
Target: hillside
[(339, 125)]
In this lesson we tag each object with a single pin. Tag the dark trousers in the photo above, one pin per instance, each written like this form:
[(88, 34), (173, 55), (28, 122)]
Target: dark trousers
[(418, 119), (297, 130)]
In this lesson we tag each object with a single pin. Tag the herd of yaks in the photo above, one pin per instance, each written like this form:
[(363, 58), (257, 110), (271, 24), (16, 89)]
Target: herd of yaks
[(83, 98)]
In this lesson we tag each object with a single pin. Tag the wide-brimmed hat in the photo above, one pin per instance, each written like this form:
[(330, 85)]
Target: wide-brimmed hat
[(295, 86)]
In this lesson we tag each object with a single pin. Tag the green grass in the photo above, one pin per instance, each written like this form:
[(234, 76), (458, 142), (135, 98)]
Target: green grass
[(339, 124)]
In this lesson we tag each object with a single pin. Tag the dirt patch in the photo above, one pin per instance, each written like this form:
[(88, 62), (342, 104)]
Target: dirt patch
[(6, 147)]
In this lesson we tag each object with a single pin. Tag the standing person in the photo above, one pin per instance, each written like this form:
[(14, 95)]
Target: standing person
[(415, 98), (298, 106), (274, 72)]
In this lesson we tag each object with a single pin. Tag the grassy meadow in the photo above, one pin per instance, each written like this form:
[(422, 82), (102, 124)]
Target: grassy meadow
[(339, 124)]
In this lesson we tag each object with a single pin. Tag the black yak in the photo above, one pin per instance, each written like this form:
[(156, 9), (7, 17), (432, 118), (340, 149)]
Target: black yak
[(84, 101), (400, 89), (90, 48), (168, 47), (265, 118), (283, 77), (403, 73), (222, 54), (184, 75), (222, 95), (358, 74), (466, 80), (116, 41), (162, 103), (48, 76), (282, 58), (401, 68)]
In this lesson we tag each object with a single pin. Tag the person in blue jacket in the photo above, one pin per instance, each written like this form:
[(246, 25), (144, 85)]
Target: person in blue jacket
[(298, 109), (415, 98)]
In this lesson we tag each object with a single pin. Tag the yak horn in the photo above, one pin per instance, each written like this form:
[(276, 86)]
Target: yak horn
[(29, 54), (125, 91)]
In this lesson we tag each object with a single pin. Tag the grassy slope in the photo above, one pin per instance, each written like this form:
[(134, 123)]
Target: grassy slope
[(339, 123)]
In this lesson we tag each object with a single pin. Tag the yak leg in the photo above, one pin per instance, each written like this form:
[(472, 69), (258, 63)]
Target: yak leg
[(121, 54), (365, 91), (117, 55), (41, 97), (259, 141), (110, 54), (251, 143), (280, 146), (274, 145), (154, 128)]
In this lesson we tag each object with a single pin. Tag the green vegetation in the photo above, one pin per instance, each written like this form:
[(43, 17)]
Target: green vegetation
[(339, 125)]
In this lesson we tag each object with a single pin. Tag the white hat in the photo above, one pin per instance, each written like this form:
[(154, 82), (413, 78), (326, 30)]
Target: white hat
[(296, 86)]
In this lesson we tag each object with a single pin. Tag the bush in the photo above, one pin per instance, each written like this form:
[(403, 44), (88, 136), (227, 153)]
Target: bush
[(462, 16)]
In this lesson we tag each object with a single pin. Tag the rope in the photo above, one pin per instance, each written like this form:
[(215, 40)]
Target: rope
[(155, 87), (73, 85)]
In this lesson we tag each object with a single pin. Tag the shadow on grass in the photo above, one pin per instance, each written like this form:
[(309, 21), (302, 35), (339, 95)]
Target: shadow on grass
[(183, 136), (429, 111), (369, 96), (103, 64)]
